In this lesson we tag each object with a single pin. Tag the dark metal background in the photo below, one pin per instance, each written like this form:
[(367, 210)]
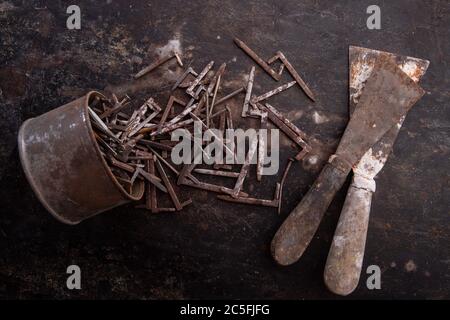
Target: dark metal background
[(214, 249)]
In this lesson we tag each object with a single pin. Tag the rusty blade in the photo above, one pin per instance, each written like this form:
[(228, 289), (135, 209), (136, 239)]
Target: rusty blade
[(373, 118), (362, 62)]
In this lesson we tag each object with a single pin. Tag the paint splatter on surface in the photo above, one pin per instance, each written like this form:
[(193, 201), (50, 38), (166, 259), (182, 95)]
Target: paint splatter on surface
[(410, 266)]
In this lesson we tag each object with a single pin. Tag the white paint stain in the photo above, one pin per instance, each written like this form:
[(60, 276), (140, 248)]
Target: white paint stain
[(359, 257), (319, 118), (362, 68), (370, 164), (359, 78), (412, 67), (7, 6), (294, 115), (173, 45), (410, 266), (313, 160), (339, 241)]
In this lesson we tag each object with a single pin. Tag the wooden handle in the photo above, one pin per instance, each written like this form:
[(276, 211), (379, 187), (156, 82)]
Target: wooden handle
[(299, 228), (343, 267)]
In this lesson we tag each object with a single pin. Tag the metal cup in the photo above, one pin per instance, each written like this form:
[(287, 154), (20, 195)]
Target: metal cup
[(65, 167)]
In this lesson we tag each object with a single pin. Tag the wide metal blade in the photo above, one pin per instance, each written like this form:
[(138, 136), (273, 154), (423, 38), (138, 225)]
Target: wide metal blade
[(362, 62), (388, 95)]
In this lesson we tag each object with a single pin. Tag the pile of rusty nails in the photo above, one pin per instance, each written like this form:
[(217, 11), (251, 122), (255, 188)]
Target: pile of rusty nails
[(137, 144)]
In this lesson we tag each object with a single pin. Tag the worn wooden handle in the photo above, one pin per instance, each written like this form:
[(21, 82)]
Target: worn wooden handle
[(299, 228), (343, 267)]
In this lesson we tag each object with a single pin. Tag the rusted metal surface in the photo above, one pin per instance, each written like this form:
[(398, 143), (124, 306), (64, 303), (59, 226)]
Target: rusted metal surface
[(248, 92), (172, 126), (156, 64), (217, 173), (157, 145), (275, 75), (345, 258), (283, 179), (186, 178), (261, 148), (143, 123), (363, 61), (287, 122), (245, 167), (178, 57), (152, 179), (257, 59), (294, 74), (188, 71), (64, 166), (197, 80), (229, 96), (254, 201), (388, 95), (151, 195), (287, 127), (118, 106), (213, 101), (211, 187), (215, 81), (273, 92), (184, 113), (229, 116), (151, 201), (169, 186), (168, 108), (275, 58)]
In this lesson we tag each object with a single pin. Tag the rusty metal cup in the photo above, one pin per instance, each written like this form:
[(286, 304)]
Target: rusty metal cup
[(65, 167)]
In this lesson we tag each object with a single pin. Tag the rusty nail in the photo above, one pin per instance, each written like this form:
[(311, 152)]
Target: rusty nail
[(248, 93), (273, 92), (154, 65), (257, 59)]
